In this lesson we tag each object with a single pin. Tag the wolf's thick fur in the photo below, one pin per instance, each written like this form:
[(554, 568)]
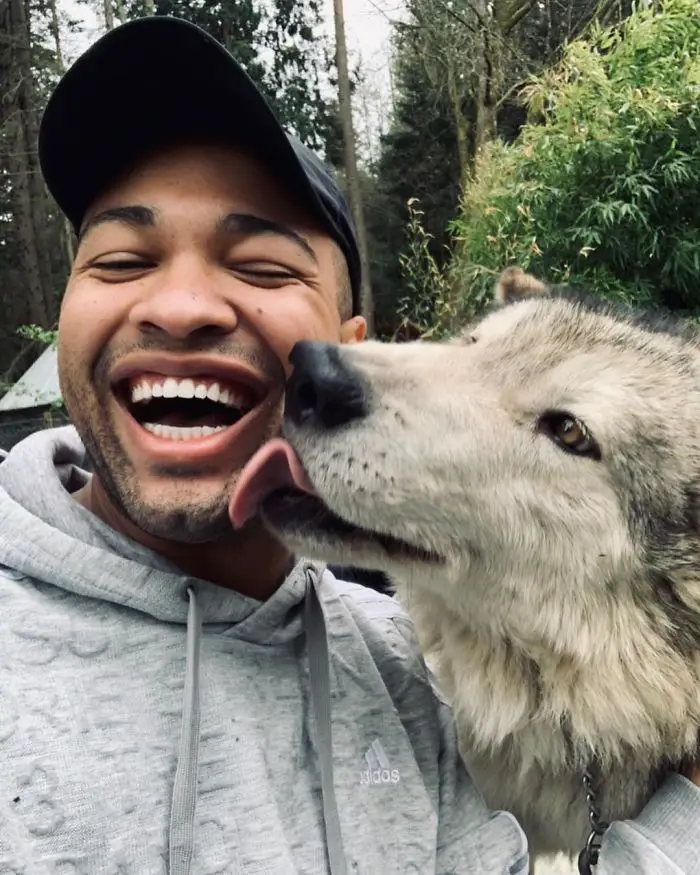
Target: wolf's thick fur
[(557, 593)]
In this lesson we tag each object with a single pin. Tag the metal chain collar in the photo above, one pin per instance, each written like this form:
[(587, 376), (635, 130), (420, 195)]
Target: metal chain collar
[(589, 855)]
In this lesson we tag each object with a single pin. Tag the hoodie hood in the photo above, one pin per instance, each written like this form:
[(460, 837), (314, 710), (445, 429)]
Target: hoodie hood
[(47, 536)]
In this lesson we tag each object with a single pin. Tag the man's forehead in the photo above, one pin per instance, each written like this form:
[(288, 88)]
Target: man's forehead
[(194, 150), (225, 176)]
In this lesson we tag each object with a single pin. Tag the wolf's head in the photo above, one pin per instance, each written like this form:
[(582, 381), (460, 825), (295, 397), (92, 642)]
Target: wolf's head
[(533, 475)]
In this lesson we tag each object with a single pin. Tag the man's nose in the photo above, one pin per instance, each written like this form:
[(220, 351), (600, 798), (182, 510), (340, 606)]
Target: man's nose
[(185, 303), (323, 389)]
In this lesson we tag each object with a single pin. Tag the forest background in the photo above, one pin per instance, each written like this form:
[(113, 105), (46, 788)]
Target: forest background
[(561, 135)]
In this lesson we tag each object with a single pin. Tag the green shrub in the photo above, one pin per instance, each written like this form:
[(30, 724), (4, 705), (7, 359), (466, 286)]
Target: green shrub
[(603, 186), (47, 337), (426, 308)]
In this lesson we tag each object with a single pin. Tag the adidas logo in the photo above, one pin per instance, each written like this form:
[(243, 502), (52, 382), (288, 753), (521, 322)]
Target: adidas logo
[(378, 769)]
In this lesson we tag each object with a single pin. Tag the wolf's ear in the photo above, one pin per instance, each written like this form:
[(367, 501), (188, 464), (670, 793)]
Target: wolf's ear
[(514, 284)]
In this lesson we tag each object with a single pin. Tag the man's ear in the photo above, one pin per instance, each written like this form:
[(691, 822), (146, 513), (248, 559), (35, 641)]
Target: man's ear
[(514, 284), (354, 330)]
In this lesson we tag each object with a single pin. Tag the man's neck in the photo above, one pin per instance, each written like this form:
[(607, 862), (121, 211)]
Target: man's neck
[(250, 562)]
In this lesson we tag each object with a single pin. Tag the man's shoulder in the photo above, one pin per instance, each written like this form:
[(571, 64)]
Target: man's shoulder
[(386, 628)]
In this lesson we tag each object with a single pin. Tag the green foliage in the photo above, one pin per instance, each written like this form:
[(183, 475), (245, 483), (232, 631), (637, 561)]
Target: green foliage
[(425, 308), (38, 334), (419, 160), (603, 186)]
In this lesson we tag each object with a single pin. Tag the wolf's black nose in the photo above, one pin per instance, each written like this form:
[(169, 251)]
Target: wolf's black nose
[(323, 387)]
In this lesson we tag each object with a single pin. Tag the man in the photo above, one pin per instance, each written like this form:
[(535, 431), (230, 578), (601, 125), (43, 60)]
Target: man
[(176, 696)]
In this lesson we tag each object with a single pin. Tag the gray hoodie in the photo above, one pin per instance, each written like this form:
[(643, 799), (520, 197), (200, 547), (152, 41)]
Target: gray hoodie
[(152, 723)]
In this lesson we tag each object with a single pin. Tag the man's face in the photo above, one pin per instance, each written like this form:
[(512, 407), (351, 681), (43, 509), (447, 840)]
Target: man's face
[(195, 276)]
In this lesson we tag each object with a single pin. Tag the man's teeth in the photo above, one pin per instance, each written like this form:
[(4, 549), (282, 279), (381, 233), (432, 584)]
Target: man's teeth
[(172, 388), (180, 433)]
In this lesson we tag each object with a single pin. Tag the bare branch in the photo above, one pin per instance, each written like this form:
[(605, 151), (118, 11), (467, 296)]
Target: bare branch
[(510, 92), (515, 14), (485, 27)]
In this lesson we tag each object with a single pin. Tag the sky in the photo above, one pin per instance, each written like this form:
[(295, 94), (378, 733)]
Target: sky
[(367, 22), (368, 30), (368, 36)]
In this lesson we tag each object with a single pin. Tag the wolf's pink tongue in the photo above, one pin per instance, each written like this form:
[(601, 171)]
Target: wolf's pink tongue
[(273, 467)]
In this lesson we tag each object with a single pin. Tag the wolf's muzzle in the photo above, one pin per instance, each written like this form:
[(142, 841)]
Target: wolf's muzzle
[(323, 389)]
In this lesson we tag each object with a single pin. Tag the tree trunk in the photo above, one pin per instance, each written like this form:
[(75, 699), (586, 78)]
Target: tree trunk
[(37, 187), (461, 124), (109, 15), (61, 69), (496, 29), (18, 115), (22, 213), (351, 170), (485, 123)]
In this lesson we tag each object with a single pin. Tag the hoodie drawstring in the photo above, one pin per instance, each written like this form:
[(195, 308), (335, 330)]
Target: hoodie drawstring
[(319, 674), (184, 803)]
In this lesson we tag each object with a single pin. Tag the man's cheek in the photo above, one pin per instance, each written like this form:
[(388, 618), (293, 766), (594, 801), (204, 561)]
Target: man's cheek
[(293, 324)]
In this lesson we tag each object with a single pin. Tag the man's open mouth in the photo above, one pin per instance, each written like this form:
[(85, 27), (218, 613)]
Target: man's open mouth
[(275, 485), (185, 408)]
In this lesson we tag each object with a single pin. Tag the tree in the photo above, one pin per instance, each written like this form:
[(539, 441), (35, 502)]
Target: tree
[(445, 110), (27, 195), (493, 49), (55, 28), (419, 159), (301, 79), (350, 161), (108, 14), (441, 40)]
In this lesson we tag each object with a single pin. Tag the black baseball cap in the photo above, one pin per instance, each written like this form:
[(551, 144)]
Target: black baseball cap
[(158, 80)]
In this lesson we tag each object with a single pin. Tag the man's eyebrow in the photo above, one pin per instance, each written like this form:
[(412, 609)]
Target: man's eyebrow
[(252, 226), (135, 215)]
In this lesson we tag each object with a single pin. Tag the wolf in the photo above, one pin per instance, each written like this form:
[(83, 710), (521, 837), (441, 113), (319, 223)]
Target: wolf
[(532, 490)]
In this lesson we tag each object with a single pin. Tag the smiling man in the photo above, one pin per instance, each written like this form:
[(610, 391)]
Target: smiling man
[(177, 696), (196, 273)]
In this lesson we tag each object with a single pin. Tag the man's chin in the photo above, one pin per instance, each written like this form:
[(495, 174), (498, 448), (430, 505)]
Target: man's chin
[(183, 527), (188, 521), (187, 516), (177, 498)]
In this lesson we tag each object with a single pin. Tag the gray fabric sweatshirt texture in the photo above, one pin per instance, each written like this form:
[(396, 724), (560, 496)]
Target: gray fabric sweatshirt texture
[(155, 724)]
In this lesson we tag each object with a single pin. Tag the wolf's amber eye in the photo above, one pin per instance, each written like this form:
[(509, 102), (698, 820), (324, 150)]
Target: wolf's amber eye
[(569, 433)]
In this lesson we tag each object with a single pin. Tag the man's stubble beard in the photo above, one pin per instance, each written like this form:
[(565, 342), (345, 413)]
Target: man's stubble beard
[(188, 520)]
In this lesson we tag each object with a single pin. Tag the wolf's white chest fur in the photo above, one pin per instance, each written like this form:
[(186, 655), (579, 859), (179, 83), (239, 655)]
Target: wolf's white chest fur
[(528, 729)]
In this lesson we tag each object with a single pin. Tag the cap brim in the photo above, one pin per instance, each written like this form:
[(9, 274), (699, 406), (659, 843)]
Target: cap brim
[(148, 83)]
